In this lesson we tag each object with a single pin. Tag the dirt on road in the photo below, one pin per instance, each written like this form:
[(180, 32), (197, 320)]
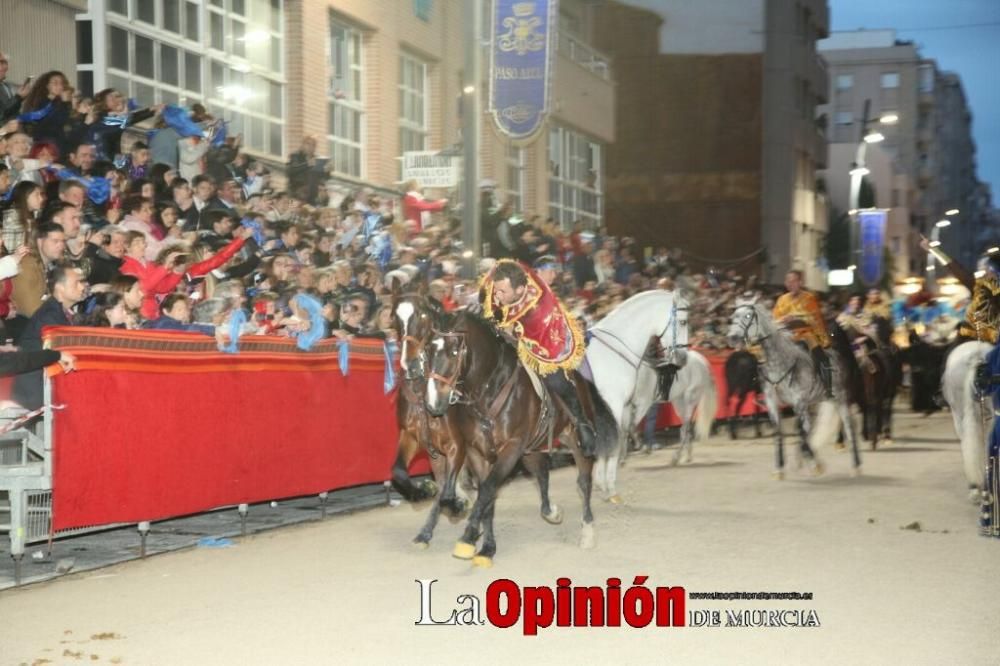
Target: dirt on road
[(892, 558)]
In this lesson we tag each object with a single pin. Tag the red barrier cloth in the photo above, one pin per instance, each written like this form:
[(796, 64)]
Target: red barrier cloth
[(667, 417), (159, 425)]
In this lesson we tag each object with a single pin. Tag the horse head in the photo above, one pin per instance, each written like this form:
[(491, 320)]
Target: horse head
[(447, 351), (675, 337), (415, 320), (749, 324)]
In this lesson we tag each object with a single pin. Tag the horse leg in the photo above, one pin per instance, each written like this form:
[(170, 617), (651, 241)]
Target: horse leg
[(584, 468), (756, 416), (805, 451), (465, 548), (845, 418), (484, 558), (774, 411), (539, 464), (681, 408), (734, 413), (401, 481)]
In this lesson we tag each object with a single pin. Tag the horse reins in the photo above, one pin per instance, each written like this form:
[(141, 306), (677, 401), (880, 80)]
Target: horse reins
[(748, 341)]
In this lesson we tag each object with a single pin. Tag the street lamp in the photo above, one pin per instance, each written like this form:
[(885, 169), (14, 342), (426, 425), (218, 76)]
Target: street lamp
[(943, 223), (952, 212), (858, 169)]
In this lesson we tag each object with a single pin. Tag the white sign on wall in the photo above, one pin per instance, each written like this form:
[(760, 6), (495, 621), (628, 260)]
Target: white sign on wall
[(430, 169)]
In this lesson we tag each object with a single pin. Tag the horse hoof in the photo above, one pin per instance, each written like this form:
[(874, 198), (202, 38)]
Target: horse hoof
[(778, 475), (429, 488), (482, 562), (674, 461), (974, 495), (886, 442), (554, 517), (818, 469), (840, 446), (421, 545), (616, 499), (588, 540), (463, 551)]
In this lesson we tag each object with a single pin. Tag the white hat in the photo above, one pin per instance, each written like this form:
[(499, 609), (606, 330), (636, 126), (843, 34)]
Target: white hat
[(487, 184)]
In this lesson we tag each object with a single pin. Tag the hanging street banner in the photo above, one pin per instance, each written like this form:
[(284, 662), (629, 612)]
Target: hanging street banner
[(431, 169), (523, 41), (872, 226)]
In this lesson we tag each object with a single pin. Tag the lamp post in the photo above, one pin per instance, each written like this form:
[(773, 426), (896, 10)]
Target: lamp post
[(943, 223), (859, 170), (471, 96)]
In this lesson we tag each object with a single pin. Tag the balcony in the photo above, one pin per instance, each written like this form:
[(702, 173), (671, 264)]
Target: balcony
[(819, 78), (585, 56), (583, 93)]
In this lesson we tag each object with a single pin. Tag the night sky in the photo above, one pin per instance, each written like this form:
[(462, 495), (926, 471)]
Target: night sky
[(963, 36)]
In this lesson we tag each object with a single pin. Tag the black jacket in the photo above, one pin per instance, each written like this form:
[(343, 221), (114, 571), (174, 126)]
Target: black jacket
[(28, 386)]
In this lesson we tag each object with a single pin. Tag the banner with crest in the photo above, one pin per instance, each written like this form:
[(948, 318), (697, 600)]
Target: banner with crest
[(522, 41), (872, 225)]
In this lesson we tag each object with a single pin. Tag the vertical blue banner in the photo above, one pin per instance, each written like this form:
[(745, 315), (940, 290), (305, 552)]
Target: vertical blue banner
[(522, 41), (872, 225)]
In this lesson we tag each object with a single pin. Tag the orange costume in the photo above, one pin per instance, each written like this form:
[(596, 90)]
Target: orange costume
[(804, 306), (548, 337)]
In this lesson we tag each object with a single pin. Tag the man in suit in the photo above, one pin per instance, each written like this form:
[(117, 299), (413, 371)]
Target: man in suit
[(66, 289)]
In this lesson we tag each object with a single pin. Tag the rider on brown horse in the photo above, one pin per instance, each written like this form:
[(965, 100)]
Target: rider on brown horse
[(549, 340)]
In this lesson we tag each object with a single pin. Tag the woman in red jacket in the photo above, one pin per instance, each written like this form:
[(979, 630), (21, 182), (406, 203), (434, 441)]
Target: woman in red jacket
[(158, 279), (414, 204)]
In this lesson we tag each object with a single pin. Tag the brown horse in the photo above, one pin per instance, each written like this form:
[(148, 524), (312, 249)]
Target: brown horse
[(415, 320), (500, 416), (418, 431)]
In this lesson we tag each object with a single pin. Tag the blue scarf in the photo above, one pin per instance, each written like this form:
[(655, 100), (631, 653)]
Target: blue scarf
[(236, 321), (35, 116), (179, 119), (98, 187), (305, 340), (389, 348)]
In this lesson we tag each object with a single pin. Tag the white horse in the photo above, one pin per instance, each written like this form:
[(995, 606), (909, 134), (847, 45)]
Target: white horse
[(695, 399), (623, 370), (788, 376), (973, 417)]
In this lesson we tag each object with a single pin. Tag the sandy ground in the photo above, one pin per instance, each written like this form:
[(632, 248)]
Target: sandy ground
[(343, 591)]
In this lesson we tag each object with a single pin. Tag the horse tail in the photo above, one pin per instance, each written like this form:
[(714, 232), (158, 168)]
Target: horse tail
[(604, 422), (966, 410), (826, 427), (707, 408)]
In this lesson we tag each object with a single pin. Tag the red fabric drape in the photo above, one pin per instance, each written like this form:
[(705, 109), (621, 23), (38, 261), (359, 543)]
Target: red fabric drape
[(144, 444)]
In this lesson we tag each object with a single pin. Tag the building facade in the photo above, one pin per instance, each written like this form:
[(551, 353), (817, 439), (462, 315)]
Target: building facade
[(929, 168), (370, 79), (717, 144), (377, 78)]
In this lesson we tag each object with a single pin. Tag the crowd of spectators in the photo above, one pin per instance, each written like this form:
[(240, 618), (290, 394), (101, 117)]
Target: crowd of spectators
[(155, 218)]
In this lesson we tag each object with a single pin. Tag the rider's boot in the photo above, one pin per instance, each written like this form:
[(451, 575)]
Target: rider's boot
[(566, 391)]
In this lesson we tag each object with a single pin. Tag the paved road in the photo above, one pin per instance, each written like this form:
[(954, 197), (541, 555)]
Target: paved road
[(342, 590)]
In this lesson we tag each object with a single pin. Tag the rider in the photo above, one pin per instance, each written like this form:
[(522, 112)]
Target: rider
[(800, 312), (875, 307), (549, 339), (982, 317)]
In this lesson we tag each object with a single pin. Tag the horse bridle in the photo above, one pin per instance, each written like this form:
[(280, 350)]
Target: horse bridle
[(746, 339), (451, 382)]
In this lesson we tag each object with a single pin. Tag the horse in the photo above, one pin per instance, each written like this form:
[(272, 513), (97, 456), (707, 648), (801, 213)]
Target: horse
[(414, 322), (742, 382), (789, 376), (926, 362), (694, 397), (972, 414), (508, 416), (624, 371)]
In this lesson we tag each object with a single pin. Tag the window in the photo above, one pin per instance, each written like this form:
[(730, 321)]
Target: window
[(575, 178), (890, 80), (845, 81), (165, 62), (515, 177), (346, 105), (412, 104), (844, 118)]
